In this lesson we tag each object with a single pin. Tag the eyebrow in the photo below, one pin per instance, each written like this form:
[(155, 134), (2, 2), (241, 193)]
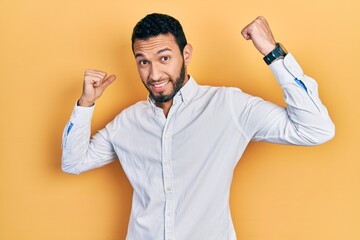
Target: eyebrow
[(163, 50), (158, 52)]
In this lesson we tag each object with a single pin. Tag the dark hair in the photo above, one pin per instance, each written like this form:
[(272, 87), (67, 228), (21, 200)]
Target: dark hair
[(156, 24)]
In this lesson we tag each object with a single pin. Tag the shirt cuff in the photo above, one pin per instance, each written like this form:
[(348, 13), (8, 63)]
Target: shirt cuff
[(82, 115), (286, 70)]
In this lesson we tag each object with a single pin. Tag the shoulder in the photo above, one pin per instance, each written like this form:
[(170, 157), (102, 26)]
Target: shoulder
[(137, 109), (131, 113), (220, 92)]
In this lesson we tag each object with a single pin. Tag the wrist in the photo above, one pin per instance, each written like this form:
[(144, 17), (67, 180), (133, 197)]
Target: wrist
[(84, 103), (278, 52), (269, 49)]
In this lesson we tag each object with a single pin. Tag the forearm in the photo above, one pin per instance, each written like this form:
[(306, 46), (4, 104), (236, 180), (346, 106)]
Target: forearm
[(307, 121), (79, 152)]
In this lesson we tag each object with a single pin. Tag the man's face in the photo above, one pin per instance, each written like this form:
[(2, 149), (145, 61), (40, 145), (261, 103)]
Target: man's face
[(161, 66)]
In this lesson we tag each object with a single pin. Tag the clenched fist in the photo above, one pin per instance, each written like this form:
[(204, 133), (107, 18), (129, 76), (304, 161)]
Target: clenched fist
[(95, 83), (259, 32)]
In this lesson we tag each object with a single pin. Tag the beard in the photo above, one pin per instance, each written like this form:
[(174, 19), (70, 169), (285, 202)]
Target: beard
[(176, 86)]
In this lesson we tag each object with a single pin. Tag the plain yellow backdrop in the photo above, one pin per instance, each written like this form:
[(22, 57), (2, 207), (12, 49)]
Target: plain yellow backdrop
[(278, 192)]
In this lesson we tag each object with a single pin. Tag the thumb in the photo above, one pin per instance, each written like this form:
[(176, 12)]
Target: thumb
[(110, 79)]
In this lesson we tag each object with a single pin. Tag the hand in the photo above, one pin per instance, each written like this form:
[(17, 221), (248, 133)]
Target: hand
[(95, 83), (260, 33)]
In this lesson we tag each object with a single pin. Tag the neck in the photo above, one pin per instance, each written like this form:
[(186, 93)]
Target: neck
[(165, 106)]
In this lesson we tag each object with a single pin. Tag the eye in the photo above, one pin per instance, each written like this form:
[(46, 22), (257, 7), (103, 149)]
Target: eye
[(165, 58), (143, 62)]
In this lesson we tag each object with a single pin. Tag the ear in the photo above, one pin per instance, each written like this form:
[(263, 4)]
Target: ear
[(187, 53)]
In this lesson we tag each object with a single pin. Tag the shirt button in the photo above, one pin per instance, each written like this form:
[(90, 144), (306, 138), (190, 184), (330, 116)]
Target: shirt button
[(168, 189)]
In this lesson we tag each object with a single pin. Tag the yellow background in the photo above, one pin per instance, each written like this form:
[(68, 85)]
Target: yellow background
[(278, 192)]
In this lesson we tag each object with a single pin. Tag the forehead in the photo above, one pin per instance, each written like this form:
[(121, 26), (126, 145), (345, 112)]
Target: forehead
[(155, 44)]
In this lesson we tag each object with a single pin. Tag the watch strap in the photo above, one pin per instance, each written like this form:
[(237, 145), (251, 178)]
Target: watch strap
[(275, 54)]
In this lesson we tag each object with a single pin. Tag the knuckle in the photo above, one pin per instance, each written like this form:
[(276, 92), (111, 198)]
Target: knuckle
[(94, 72), (259, 20)]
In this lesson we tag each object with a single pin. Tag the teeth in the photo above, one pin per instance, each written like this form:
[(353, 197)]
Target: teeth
[(160, 85)]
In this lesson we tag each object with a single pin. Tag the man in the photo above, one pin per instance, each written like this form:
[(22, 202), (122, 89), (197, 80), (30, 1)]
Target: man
[(180, 147)]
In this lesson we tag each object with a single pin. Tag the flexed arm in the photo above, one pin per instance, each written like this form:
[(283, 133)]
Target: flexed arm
[(79, 152), (305, 120)]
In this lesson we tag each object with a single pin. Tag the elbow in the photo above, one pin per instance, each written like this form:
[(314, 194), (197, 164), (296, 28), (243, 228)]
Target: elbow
[(68, 170), (67, 167), (324, 135), (330, 133)]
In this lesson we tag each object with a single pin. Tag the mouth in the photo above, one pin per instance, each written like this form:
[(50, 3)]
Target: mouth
[(159, 87)]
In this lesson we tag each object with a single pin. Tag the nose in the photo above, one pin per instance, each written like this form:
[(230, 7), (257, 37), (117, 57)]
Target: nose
[(155, 72)]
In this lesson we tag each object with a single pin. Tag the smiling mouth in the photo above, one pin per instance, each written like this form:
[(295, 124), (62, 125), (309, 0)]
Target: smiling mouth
[(159, 86)]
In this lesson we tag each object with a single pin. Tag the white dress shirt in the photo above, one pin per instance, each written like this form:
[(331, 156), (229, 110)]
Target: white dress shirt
[(181, 167)]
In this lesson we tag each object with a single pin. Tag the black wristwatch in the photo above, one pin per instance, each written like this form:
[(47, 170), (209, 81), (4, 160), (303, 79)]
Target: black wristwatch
[(279, 51)]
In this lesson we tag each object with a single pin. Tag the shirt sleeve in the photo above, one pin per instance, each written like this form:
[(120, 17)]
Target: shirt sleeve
[(79, 152), (304, 121)]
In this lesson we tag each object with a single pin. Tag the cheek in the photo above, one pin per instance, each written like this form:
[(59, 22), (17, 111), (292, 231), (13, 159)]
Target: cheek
[(143, 73), (174, 69)]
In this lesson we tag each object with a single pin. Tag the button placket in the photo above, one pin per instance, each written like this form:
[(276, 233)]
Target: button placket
[(167, 174)]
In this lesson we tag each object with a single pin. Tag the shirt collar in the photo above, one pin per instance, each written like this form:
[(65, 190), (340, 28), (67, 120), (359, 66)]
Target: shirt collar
[(188, 91)]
